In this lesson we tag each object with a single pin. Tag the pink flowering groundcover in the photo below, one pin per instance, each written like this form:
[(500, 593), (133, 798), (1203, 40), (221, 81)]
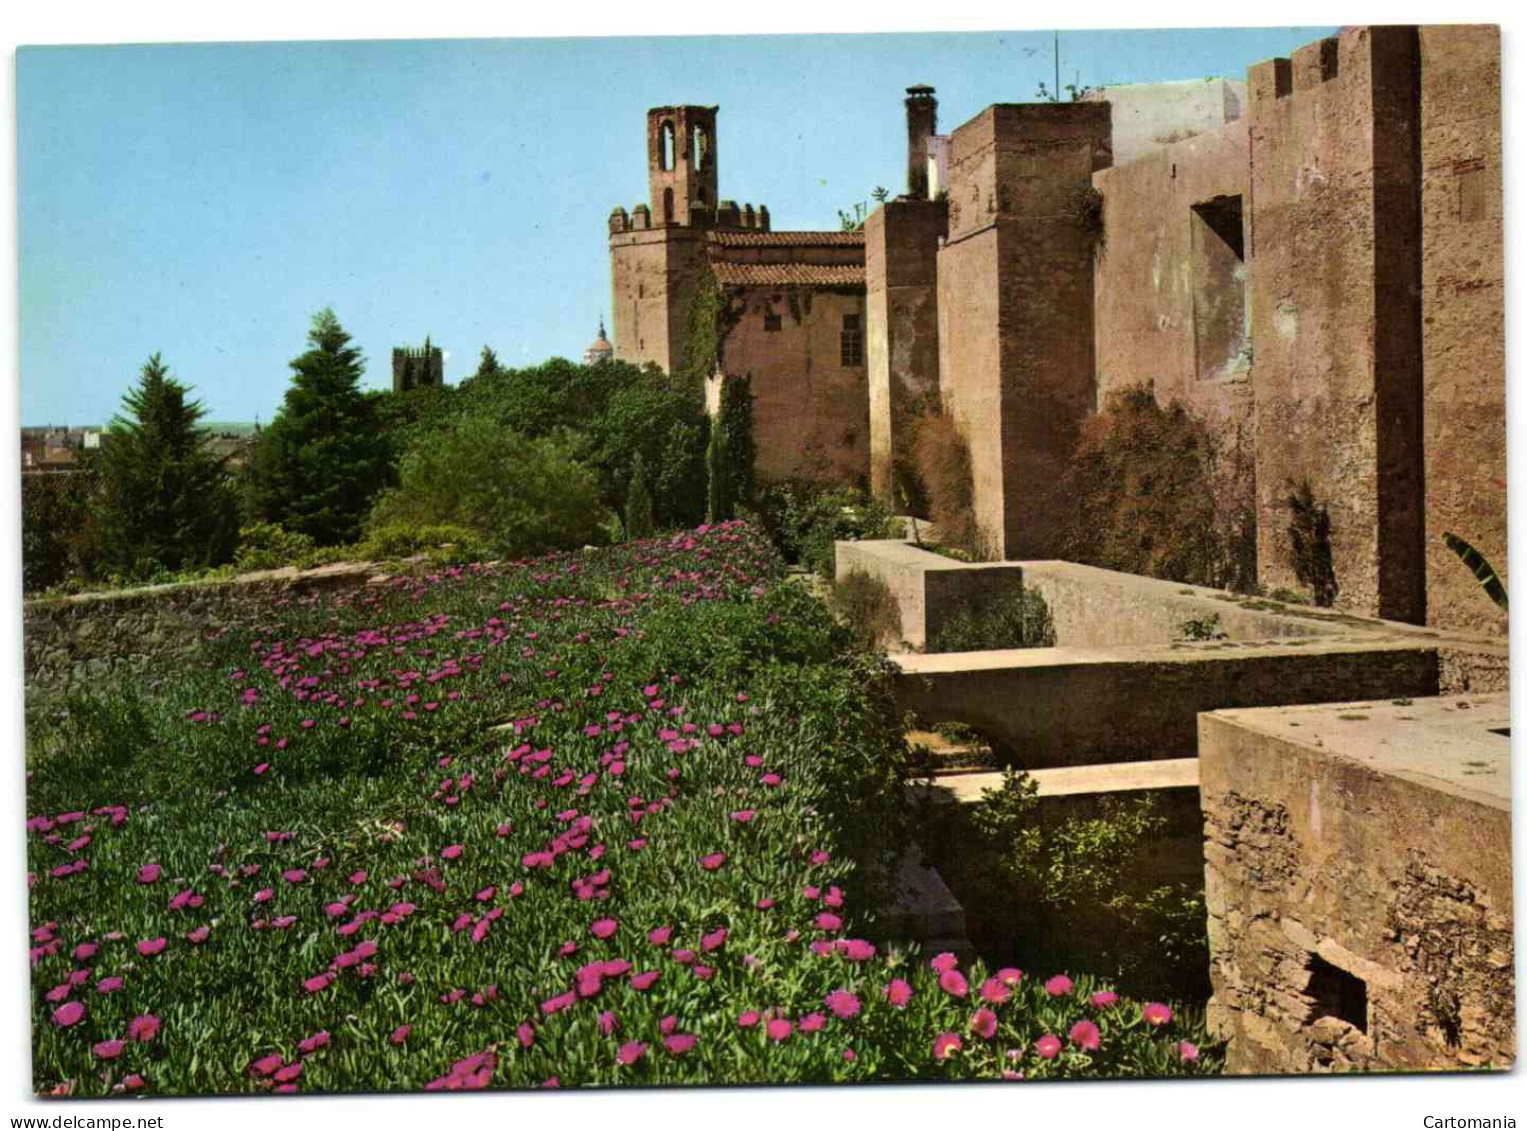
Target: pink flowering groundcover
[(596, 819)]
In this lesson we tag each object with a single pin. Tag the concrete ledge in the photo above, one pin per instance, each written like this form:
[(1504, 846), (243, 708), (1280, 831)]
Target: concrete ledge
[(1090, 607), (1358, 883), (1047, 707), (1072, 781)]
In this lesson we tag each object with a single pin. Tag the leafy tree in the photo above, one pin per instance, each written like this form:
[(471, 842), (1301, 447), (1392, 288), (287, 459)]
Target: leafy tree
[(639, 519), (521, 496), (60, 538), (317, 467), (165, 500), (735, 419), (719, 499)]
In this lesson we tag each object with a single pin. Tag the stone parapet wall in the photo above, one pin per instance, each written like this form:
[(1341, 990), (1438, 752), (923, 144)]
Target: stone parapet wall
[(74, 642), (1358, 875)]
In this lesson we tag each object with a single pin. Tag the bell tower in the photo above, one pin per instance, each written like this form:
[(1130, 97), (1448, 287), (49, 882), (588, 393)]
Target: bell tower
[(681, 165)]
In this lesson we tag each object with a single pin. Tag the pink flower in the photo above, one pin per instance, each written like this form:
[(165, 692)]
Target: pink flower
[(713, 861), (993, 991), (317, 1041), (743, 816), (1155, 1013), (149, 873), (827, 921), (953, 983), (294, 875), (68, 1014), (150, 947), (144, 1028), (644, 981), (199, 935), (944, 961), (713, 940), (660, 936), (400, 1034), (983, 1023), (85, 951), (108, 1050), (842, 1004), (603, 928), (748, 1020), (608, 1023), (679, 1043), (946, 1043), (855, 950), (898, 993), (1058, 986), (108, 985), (318, 982), (1047, 1046), (779, 1029), (1103, 998), (526, 1034), (1187, 1050), (631, 1052), (1085, 1035), (812, 1022), (450, 852)]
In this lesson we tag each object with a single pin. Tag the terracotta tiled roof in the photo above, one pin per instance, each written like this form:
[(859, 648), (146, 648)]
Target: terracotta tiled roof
[(788, 274), (730, 238)]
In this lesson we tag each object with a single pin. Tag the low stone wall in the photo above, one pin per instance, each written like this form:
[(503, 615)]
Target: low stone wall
[(1046, 707), (71, 642), (928, 587), (1091, 607), (1358, 883)]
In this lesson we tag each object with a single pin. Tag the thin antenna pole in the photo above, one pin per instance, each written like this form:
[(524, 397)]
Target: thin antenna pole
[(1057, 66)]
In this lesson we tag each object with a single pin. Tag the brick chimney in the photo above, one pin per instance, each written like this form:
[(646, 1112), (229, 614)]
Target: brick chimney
[(922, 124)]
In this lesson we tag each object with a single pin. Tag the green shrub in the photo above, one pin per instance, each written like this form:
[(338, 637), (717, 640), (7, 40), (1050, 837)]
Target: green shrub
[(869, 608), (1071, 881), (804, 518), (265, 545), (518, 496), (1011, 620)]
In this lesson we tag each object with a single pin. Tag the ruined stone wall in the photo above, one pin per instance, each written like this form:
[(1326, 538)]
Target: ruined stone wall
[(1015, 308), (653, 273), (810, 412), (1169, 294), (1334, 257), (1463, 338), (1359, 913), (901, 282)]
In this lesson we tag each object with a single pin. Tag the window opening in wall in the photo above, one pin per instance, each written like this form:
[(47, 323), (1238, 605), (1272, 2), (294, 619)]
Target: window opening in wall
[(1334, 992), (773, 322), (700, 147), (665, 148), (668, 206), (852, 340), (1221, 316)]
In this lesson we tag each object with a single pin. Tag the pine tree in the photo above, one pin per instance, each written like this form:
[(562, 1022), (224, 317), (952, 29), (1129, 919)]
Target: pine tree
[(323, 458), (719, 497), (165, 500), (639, 520)]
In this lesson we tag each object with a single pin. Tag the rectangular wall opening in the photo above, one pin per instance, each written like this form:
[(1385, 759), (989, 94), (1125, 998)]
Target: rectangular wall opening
[(1334, 992), (1221, 328)]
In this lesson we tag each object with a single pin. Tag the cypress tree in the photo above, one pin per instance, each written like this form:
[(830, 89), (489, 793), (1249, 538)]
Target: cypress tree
[(323, 458), (165, 500), (639, 520)]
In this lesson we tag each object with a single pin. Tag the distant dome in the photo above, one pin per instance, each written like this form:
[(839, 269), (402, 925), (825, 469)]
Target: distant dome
[(599, 349)]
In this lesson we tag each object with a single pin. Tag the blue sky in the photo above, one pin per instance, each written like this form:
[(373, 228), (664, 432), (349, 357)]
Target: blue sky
[(205, 200)]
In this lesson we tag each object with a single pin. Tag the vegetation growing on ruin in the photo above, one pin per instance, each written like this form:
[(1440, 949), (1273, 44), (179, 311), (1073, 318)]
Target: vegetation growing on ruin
[(943, 479), (1069, 885), (1018, 619), (867, 606), (1150, 491), (1309, 540)]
